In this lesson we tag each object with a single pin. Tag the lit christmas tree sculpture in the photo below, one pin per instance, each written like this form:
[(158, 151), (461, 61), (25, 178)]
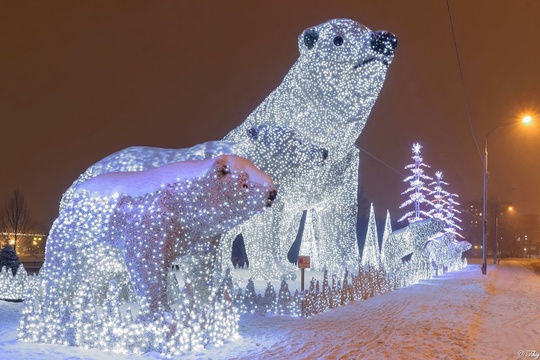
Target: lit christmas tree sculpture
[(443, 249), (439, 210), (451, 218), (417, 191)]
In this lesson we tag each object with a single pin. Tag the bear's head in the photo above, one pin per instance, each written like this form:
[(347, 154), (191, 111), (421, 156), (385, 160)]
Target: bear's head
[(235, 190), (284, 146), (342, 67), (279, 151), (207, 197)]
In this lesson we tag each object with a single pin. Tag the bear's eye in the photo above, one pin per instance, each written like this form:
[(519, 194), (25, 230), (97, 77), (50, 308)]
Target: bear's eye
[(338, 41), (245, 186)]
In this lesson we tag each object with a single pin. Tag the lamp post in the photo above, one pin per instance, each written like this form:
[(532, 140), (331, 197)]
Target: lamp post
[(525, 120)]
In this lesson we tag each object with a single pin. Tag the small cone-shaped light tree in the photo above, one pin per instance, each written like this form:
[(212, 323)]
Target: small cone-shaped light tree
[(385, 237), (417, 191), (370, 254)]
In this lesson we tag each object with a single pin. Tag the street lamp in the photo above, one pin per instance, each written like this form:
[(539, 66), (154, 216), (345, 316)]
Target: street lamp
[(525, 120)]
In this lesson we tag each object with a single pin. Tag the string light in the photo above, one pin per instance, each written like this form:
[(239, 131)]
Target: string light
[(320, 107), (445, 252), (14, 287), (386, 235), (409, 240)]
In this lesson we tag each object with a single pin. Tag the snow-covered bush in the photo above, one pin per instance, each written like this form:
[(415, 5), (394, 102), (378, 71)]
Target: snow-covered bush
[(113, 328), (14, 287)]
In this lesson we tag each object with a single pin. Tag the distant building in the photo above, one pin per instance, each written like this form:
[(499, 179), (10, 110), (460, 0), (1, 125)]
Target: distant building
[(471, 222), (31, 243), (517, 234), (526, 236)]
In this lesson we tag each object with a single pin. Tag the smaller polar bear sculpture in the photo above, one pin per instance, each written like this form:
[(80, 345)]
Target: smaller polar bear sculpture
[(410, 240), (134, 224), (445, 252)]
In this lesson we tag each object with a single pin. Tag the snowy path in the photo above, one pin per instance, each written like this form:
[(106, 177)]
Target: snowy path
[(511, 313), (420, 322), (461, 315)]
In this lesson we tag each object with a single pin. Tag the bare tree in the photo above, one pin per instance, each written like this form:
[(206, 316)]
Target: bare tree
[(15, 219)]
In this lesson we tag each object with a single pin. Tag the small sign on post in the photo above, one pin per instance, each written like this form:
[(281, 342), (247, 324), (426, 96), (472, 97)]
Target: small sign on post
[(303, 263)]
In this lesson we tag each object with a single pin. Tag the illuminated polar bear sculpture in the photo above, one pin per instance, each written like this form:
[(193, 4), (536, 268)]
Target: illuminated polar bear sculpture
[(411, 239), (326, 98), (445, 252), (139, 222)]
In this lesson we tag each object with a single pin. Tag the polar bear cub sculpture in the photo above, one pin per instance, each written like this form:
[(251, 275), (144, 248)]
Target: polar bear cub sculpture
[(137, 223)]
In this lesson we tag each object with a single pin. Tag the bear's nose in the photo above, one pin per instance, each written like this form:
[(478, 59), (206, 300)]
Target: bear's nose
[(384, 42), (272, 195)]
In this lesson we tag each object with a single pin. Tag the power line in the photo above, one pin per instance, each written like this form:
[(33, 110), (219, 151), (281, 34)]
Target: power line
[(382, 162), (463, 82)]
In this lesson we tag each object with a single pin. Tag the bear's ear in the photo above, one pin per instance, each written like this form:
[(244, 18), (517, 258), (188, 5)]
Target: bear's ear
[(221, 166), (124, 203)]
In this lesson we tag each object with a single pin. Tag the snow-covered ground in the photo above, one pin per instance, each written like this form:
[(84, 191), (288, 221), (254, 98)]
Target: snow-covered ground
[(460, 315)]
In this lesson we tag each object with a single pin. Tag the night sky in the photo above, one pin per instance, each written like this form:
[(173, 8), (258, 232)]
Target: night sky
[(82, 79)]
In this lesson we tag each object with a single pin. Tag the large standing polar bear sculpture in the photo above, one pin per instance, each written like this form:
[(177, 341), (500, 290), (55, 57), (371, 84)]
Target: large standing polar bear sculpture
[(134, 224), (326, 98)]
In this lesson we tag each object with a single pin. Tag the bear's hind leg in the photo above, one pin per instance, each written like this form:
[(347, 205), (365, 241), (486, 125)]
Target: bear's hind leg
[(148, 274)]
